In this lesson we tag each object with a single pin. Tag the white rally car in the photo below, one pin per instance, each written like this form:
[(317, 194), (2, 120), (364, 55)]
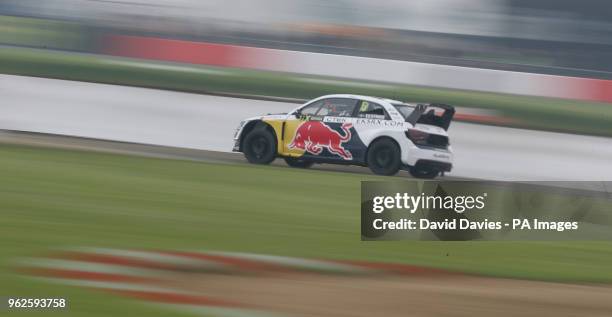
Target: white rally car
[(383, 134)]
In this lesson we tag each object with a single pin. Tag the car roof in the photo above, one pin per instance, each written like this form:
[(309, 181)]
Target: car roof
[(363, 97)]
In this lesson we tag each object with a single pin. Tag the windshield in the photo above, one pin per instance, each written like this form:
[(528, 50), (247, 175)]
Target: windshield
[(404, 109)]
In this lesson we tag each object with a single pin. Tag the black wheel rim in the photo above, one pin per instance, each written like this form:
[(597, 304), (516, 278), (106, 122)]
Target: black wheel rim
[(259, 147), (383, 157)]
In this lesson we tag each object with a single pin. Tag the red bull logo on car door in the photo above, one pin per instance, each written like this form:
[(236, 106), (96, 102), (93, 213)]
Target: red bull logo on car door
[(314, 136)]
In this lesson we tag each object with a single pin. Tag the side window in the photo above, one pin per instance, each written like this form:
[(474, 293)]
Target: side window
[(337, 107), (371, 110), (312, 108)]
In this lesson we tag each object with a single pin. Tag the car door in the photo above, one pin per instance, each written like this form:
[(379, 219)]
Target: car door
[(370, 118), (321, 131)]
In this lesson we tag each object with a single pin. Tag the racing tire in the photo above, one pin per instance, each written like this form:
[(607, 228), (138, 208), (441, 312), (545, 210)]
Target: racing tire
[(259, 147), (298, 163), (423, 172), (384, 157)]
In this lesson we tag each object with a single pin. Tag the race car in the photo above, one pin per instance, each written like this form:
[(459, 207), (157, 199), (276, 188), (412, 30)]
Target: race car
[(385, 135)]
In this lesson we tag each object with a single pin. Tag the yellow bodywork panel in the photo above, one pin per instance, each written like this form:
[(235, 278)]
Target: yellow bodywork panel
[(283, 143)]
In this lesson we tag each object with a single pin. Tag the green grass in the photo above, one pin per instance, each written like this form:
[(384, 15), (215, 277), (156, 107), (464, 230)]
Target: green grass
[(42, 33), (59, 198), (535, 112)]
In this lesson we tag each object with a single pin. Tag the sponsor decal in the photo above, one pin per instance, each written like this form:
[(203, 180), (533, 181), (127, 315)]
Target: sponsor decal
[(311, 118), (379, 122), (373, 116), (313, 136), (364, 106), (336, 119), (444, 156)]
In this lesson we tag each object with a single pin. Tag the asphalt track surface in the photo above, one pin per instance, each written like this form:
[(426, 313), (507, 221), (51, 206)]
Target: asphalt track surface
[(185, 124)]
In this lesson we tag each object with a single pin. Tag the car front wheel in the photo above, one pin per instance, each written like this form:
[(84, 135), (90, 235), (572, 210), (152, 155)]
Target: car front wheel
[(384, 157), (259, 147)]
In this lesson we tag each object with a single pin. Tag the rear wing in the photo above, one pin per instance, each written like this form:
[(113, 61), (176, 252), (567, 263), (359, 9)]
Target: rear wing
[(437, 114)]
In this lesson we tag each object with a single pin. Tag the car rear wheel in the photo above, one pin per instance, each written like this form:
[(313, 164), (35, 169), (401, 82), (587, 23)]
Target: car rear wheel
[(259, 147), (297, 162), (423, 172), (384, 157)]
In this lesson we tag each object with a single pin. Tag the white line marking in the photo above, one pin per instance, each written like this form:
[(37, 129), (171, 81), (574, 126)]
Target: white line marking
[(153, 256), (89, 267), (299, 263)]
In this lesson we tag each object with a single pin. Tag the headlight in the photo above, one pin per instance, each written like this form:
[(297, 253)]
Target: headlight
[(239, 128)]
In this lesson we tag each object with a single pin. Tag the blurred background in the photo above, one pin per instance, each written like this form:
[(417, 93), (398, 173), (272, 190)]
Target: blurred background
[(171, 79), (536, 64), (554, 37)]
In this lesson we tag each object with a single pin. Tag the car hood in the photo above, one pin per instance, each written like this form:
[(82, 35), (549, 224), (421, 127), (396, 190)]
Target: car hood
[(269, 116)]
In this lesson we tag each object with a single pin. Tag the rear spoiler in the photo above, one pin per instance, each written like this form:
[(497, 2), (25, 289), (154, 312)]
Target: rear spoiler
[(426, 114)]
